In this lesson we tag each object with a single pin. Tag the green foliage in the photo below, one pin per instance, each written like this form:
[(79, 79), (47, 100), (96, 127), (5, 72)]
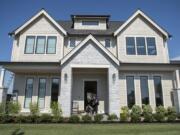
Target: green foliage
[(2, 108), (13, 108), (147, 113), (124, 115), (98, 117), (56, 110), (171, 114), (112, 117), (86, 118), (34, 109), (45, 118), (160, 114), (136, 113), (74, 119)]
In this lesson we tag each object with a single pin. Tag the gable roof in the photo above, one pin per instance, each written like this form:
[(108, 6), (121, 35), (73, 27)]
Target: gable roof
[(112, 27), (139, 12), (97, 43), (41, 12)]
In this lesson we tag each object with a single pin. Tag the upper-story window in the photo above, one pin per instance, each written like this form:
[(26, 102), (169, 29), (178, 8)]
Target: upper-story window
[(151, 45), (90, 23), (29, 45), (141, 46), (130, 45), (40, 44), (72, 42), (107, 42), (51, 45)]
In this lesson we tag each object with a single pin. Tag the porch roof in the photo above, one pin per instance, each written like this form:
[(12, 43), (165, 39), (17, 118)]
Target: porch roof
[(31, 67)]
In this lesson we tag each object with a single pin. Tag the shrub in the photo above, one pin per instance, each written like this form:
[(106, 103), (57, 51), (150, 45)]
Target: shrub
[(171, 114), (147, 113), (136, 113), (98, 117), (13, 107), (74, 119), (160, 114), (86, 118), (124, 115), (34, 109), (4, 118), (2, 108), (56, 110), (112, 117), (46, 118)]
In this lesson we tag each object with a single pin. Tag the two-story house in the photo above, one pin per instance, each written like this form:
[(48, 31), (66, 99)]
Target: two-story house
[(121, 62)]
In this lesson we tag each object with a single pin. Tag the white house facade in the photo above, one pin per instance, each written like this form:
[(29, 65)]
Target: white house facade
[(122, 62)]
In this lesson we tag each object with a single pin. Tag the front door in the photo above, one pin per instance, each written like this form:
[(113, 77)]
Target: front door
[(90, 89)]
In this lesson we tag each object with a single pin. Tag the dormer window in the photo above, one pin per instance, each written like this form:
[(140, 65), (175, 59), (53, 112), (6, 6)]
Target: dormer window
[(107, 42), (92, 23), (72, 42)]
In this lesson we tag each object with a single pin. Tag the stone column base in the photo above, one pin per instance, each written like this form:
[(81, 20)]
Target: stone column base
[(176, 94), (3, 94)]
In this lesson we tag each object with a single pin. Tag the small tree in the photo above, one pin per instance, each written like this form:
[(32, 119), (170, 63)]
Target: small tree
[(124, 115), (56, 111), (34, 109), (171, 114), (13, 108), (2, 108), (160, 114), (147, 113), (136, 113)]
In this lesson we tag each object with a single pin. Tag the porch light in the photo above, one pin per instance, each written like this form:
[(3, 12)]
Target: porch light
[(65, 77), (114, 77)]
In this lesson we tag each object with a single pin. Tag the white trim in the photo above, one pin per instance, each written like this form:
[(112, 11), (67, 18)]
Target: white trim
[(139, 12), (89, 66), (42, 12), (90, 37), (177, 78)]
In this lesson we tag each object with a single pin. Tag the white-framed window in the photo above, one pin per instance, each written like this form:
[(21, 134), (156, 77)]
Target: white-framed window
[(29, 45), (40, 44), (92, 23), (51, 45), (72, 42), (28, 92), (41, 93), (141, 45), (108, 42)]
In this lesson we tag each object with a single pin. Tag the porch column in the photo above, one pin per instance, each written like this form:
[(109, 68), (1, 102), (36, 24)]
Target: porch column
[(65, 93), (2, 88), (176, 92), (114, 91)]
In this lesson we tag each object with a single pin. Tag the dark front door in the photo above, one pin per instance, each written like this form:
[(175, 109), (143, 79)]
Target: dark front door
[(90, 89)]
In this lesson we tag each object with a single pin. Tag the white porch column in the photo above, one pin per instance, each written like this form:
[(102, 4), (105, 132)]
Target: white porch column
[(2, 89), (176, 92), (65, 94), (114, 91)]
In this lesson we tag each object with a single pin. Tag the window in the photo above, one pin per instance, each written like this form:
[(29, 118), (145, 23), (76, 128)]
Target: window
[(28, 92), (158, 90), (141, 47), (54, 90), (42, 92), (40, 44), (130, 91), (90, 23), (107, 42), (151, 46), (29, 45), (144, 90), (51, 45), (72, 42), (130, 45)]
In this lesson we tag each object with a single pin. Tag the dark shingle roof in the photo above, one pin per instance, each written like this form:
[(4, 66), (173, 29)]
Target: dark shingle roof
[(112, 27)]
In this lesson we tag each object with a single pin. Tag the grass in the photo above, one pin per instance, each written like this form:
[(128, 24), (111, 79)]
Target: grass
[(90, 129)]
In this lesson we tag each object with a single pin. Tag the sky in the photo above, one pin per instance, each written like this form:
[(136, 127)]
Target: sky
[(14, 13)]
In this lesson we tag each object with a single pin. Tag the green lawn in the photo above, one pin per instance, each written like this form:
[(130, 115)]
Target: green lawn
[(90, 129)]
